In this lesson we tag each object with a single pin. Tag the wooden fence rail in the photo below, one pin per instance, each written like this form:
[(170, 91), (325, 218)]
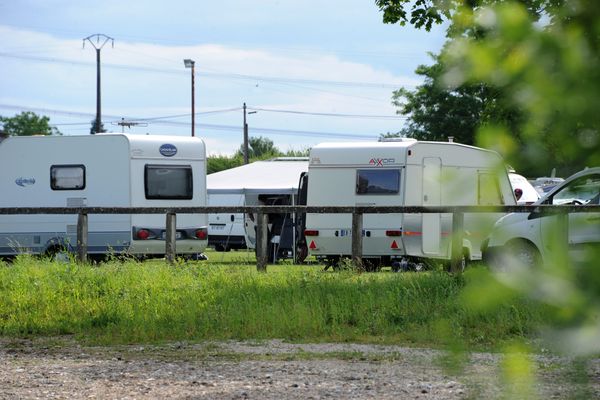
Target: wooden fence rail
[(263, 211)]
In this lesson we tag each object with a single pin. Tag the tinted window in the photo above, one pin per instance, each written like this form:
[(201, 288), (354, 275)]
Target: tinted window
[(377, 181), (67, 177), (166, 182)]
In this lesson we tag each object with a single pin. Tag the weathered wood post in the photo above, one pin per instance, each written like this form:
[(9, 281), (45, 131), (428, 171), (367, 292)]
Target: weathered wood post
[(82, 237), (357, 227), (456, 257), (262, 235), (170, 238)]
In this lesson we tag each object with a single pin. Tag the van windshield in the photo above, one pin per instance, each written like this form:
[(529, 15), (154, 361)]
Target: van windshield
[(377, 181), (168, 182)]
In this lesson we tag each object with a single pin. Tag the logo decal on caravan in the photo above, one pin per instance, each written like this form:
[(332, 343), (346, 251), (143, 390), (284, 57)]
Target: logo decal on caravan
[(168, 150), (25, 181), (380, 162)]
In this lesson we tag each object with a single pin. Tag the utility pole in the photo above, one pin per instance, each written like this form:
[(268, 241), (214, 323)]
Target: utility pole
[(245, 137), (100, 41), (191, 64)]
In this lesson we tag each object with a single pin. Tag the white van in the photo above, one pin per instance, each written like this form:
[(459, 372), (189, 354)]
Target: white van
[(226, 231), (103, 170), (402, 173), (527, 238)]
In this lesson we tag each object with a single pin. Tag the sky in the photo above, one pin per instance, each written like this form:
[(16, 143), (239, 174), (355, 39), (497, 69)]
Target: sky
[(310, 71)]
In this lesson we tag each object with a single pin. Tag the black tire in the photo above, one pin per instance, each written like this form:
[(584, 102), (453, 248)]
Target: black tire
[(516, 255), (58, 254)]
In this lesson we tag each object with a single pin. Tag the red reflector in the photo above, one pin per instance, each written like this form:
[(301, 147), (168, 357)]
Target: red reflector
[(201, 234), (312, 245), (311, 232), (394, 245), (393, 233), (143, 234)]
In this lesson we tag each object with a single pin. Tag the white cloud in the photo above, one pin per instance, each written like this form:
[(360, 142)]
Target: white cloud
[(149, 80)]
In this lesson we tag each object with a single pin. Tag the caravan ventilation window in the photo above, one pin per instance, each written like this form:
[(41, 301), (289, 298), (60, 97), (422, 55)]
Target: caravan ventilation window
[(377, 181), (488, 193), (67, 177), (168, 182)]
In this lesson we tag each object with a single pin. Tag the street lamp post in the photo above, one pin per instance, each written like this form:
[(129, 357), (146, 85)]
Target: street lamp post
[(190, 64)]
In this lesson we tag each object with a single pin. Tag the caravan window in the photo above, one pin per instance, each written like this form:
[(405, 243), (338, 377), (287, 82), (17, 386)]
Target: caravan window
[(67, 177), (377, 181), (168, 182), (488, 193)]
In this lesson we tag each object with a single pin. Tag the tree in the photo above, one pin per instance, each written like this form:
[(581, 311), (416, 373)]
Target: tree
[(28, 123), (550, 73), (93, 129), (260, 148), (426, 13), (220, 163), (437, 112)]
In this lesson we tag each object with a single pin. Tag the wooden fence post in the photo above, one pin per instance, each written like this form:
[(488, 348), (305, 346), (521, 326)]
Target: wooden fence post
[(456, 256), (262, 236), (357, 227), (170, 238), (82, 237)]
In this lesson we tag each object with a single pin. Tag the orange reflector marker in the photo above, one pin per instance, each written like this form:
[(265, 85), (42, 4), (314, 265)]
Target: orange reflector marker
[(312, 245), (394, 245)]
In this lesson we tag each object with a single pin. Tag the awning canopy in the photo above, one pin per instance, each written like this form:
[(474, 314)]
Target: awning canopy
[(277, 176)]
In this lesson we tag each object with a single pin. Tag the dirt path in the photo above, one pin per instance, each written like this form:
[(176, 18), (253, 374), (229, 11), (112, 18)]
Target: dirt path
[(61, 369)]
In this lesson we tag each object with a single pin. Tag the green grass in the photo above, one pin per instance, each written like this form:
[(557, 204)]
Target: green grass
[(152, 302)]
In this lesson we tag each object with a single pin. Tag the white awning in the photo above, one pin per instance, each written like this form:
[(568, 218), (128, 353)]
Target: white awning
[(277, 176)]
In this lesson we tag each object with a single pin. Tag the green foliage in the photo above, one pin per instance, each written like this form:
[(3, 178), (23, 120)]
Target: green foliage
[(94, 129), (28, 123), (260, 148), (220, 163), (420, 13), (153, 302), (437, 111), (551, 74), (426, 13)]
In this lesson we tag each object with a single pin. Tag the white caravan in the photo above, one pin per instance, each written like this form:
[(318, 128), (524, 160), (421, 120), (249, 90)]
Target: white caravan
[(402, 173), (103, 170)]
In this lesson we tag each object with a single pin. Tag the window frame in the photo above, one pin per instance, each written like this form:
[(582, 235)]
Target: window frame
[(496, 186), (53, 184), (190, 182), (397, 187)]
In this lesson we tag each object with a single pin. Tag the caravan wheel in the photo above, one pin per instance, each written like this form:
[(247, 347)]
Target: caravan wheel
[(59, 254)]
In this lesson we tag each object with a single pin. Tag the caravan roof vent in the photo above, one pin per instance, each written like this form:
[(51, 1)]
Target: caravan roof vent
[(397, 139)]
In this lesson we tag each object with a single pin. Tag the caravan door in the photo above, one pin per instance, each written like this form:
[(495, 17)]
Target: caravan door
[(431, 223)]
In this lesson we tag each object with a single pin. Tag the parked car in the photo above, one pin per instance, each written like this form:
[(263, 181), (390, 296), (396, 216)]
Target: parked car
[(525, 193), (528, 238), (544, 185)]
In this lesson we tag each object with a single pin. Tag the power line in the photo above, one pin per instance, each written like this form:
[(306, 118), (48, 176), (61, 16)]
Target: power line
[(271, 79), (321, 114), (232, 128)]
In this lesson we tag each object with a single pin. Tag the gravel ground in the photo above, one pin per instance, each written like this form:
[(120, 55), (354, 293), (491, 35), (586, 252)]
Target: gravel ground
[(61, 368)]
